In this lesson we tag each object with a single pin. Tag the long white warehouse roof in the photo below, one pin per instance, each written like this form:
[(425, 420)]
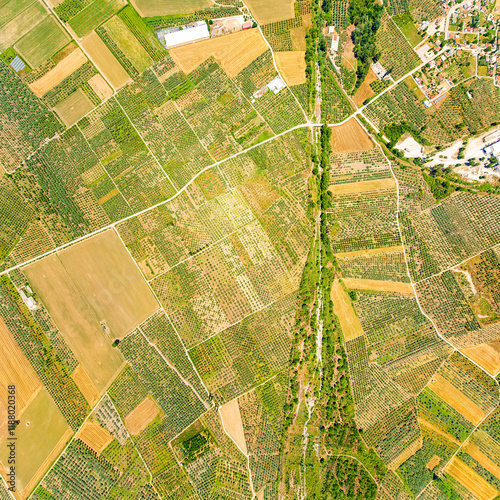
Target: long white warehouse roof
[(187, 35)]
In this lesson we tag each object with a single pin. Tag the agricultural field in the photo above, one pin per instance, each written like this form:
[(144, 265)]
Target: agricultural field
[(151, 8), (271, 12)]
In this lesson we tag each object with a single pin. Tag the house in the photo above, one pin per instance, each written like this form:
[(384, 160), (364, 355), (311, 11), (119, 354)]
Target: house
[(276, 85), (335, 43), (331, 30), (246, 25)]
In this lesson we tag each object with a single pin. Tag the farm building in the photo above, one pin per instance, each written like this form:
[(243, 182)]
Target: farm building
[(335, 43), (493, 149), (189, 34), (276, 85)]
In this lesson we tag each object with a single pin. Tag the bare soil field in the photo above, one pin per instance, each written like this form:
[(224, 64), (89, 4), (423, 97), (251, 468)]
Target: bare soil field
[(141, 416), (100, 87), (41, 435), (348, 57), (350, 137), (292, 66), (483, 459), (342, 306), (74, 107), (84, 383), (57, 74), (150, 8), (365, 91), (371, 251), (431, 427), (266, 11), (449, 393), (105, 61), (363, 186), (233, 52), (231, 418), (95, 436), (479, 487), (379, 286), (298, 37), (486, 355), (16, 369), (433, 462)]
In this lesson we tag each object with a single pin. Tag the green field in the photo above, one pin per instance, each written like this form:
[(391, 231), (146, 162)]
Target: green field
[(94, 14), (128, 44), (45, 39), (10, 9), (42, 426), (10, 33), (407, 25), (150, 8)]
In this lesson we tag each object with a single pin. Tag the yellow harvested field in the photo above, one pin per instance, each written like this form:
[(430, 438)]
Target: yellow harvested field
[(408, 452), (483, 459), (342, 306), (350, 137), (57, 74), (371, 251), (16, 369), (485, 355), (292, 66), (74, 107), (271, 11), (233, 52), (105, 61), (365, 91), (231, 418), (40, 437), (478, 486), (449, 393), (379, 286), (363, 186), (95, 436), (141, 416), (433, 462), (434, 428), (84, 383), (100, 87)]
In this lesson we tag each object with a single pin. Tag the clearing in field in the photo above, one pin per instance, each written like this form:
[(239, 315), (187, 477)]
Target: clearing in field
[(94, 15), (365, 91), (233, 52), (292, 66), (378, 286), (478, 486), (95, 436), (342, 306), (485, 355), (100, 87), (76, 320), (370, 251), (16, 369), (141, 416), (128, 44), (84, 383), (449, 393), (363, 186), (348, 57), (151, 8), (44, 40), (271, 11), (350, 137), (57, 74), (434, 428), (105, 61), (40, 437), (483, 459), (74, 107), (11, 32), (231, 419)]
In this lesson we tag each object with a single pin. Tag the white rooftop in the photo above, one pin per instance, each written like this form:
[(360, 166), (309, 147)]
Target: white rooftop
[(187, 35)]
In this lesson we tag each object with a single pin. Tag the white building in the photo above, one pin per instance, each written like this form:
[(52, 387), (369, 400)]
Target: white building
[(276, 85), (331, 30), (335, 43), (493, 149), (194, 33)]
